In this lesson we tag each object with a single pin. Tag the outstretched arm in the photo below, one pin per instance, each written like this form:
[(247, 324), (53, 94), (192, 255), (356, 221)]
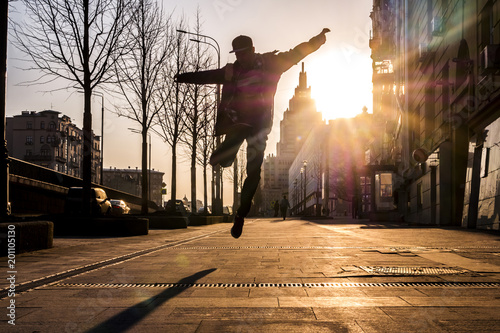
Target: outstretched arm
[(313, 44), (290, 58), (203, 77)]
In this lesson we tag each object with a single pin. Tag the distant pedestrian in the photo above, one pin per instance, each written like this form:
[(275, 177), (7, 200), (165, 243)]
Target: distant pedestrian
[(284, 204), (276, 208), (245, 112)]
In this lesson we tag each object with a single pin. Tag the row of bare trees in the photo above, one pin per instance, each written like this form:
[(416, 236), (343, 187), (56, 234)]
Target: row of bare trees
[(129, 48)]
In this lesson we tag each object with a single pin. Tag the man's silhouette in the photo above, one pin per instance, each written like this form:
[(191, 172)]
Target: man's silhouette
[(246, 108), (284, 205)]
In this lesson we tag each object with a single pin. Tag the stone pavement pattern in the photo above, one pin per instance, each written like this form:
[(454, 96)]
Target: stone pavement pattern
[(280, 276)]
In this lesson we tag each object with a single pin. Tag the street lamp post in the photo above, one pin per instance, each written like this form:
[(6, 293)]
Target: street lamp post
[(305, 185), (295, 196), (102, 134), (301, 186), (4, 154), (133, 130), (217, 203)]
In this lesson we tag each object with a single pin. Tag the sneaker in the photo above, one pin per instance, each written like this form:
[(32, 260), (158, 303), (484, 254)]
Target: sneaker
[(237, 228)]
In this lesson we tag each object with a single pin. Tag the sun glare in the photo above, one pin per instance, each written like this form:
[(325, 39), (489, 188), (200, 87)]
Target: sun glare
[(341, 86)]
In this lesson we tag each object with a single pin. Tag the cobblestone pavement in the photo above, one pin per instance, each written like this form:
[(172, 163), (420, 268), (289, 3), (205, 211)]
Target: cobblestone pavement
[(337, 275)]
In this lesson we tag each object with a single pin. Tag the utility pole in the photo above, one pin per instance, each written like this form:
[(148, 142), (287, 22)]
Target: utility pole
[(4, 154)]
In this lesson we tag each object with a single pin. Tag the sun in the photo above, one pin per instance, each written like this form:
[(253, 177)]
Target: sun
[(340, 86)]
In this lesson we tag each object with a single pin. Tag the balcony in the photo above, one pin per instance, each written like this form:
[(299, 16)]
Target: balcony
[(74, 165)]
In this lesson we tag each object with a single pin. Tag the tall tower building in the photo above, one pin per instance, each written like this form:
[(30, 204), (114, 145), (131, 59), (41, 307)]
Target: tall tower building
[(298, 120)]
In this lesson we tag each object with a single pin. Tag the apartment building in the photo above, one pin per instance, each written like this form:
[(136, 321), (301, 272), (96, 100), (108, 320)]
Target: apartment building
[(49, 139)]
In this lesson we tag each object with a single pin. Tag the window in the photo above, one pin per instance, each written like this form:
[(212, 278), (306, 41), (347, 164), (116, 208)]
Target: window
[(44, 152), (42, 139), (29, 125), (29, 152), (52, 126), (29, 140), (42, 125), (386, 184)]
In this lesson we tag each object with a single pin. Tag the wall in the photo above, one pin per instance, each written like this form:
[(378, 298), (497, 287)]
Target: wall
[(30, 195)]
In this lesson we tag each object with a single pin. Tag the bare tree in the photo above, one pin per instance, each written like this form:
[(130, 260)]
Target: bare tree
[(173, 98), (237, 174), (138, 73), (74, 40), (200, 59), (205, 144)]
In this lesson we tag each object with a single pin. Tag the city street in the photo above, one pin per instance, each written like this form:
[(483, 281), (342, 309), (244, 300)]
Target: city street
[(338, 275)]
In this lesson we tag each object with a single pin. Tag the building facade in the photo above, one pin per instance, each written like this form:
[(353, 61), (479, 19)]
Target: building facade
[(130, 181), (324, 177), (298, 121), (51, 140), (444, 107)]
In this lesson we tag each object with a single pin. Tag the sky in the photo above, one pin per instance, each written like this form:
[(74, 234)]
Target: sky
[(339, 73)]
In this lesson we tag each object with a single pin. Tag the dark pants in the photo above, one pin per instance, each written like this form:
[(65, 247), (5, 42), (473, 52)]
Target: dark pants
[(226, 153)]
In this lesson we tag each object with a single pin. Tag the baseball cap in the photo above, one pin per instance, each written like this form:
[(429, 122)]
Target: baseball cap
[(241, 43)]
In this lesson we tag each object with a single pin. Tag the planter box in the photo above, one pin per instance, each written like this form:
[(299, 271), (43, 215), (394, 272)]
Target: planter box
[(205, 220), (28, 236), (101, 226), (167, 222)]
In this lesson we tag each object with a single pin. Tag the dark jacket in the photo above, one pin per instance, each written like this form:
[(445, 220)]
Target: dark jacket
[(248, 94)]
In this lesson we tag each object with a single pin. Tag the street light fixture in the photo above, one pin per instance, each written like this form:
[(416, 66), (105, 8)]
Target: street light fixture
[(218, 178), (305, 185)]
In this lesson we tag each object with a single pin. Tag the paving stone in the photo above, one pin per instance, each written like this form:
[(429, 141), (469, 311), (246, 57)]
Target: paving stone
[(276, 326), (453, 301), (341, 301), (348, 314), (250, 313), (263, 255)]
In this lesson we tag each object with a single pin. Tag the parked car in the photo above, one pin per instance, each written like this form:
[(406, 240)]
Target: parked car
[(119, 207), (100, 204), (201, 210), (227, 210)]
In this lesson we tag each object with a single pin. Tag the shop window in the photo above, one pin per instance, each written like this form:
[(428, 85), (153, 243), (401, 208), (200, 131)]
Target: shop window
[(386, 185)]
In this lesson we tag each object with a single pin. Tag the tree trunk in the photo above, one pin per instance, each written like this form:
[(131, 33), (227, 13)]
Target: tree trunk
[(173, 188), (205, 190), (144, 206), (87, 117)]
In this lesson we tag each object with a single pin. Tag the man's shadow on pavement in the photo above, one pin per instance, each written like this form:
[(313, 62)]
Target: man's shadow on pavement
[(133, 315)]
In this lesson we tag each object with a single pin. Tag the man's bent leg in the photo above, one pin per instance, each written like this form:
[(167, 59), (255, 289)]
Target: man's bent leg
[(227, 150), (255, 157)]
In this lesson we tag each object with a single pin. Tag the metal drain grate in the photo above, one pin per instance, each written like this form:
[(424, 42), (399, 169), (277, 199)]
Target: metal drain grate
[(394, 248), (413, 270), (285, 285)]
